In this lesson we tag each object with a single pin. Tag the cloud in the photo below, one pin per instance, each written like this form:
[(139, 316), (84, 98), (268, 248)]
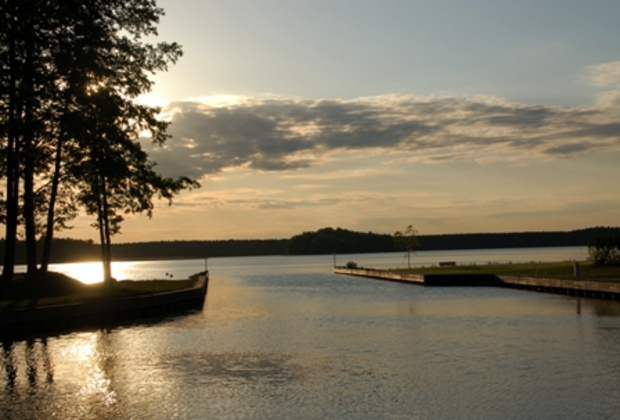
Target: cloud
[(568, 149), (287, 134), (605, 74), (339, 174), (609, 100)]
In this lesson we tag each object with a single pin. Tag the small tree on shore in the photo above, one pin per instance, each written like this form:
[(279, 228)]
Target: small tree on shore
[(604, 250), (407, 240)]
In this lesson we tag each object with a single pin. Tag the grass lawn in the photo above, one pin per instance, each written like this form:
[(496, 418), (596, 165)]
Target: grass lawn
[(58, 289), (560, 270)]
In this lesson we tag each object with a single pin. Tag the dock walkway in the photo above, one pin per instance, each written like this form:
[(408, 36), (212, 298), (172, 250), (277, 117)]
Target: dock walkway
[(586, 288)]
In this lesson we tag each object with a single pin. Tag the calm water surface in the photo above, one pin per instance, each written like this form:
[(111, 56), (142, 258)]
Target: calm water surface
[(284, 338)]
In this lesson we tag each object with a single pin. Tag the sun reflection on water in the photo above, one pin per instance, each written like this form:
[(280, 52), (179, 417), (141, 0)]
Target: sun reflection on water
[(91, 365), (92, 272)]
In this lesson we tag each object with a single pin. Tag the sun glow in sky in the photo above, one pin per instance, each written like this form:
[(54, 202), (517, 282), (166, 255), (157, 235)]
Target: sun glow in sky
[(451, 115)]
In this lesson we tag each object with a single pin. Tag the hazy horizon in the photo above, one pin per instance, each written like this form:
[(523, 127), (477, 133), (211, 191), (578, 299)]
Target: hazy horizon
[(68, 237)]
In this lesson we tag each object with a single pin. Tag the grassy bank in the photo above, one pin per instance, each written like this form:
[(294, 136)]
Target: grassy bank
[(58, 289), (559, 270)]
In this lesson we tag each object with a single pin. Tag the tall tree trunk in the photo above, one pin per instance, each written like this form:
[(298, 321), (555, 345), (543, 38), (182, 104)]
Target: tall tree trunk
[(102, 219), (49, 232), (12, 197), (107, 268), (29, 154), (12, 175), (98, 167), (98, 187), (31, 237), (102, 236)]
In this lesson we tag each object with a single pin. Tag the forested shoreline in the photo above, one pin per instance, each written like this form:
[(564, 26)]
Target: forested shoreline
[(323, 241), (342, 241)]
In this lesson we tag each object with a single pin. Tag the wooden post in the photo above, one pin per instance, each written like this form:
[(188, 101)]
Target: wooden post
[(576, 268)]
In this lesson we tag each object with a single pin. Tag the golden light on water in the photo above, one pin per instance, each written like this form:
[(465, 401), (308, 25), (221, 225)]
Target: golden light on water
[(89, 273), (84, 349), (90, 365), (92, 272)]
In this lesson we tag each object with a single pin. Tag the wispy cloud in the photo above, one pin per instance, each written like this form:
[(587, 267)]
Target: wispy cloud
[(338, 174), (605, 74), (287, 134)]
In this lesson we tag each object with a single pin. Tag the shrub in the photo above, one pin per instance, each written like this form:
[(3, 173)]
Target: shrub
[(351, 264), (604, 250)]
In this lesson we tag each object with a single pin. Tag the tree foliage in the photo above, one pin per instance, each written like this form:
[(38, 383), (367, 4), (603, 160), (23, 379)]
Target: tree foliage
[(339, 241), (604, 250), (70, 72)]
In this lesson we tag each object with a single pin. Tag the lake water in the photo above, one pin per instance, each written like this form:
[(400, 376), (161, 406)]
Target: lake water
[(180, 269), (283, 337)]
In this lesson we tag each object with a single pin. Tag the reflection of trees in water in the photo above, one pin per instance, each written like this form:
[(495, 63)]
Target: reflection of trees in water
[(37, 358), (95, 397), (605, 353), (8, 361), (104, 370), (38, 355), (33, 390)]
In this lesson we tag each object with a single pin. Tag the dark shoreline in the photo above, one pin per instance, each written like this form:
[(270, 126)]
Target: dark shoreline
[(339, 241)]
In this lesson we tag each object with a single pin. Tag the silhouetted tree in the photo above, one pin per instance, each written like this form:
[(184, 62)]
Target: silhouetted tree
[(114, 174), (70, 71), (26, 102), (407, 240), (10, 67)]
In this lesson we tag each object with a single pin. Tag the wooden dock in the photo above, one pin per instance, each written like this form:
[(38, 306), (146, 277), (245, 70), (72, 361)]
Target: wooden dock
[(381, 275), (585, 288)]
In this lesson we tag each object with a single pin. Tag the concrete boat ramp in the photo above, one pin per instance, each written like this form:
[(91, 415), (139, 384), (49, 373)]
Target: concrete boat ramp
[(585, 288)]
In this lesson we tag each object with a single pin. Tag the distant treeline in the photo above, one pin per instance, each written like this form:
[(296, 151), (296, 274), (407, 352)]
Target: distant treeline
[(515, 240), (75, 250), (342, 241), (323, 241), (62, 250), (339, 241), (199, 249)]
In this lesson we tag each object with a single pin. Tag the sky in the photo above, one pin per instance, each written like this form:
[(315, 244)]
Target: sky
[(453, 116)]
